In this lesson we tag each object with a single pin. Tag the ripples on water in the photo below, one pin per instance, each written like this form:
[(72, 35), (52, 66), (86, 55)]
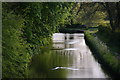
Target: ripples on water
[(69, 58)]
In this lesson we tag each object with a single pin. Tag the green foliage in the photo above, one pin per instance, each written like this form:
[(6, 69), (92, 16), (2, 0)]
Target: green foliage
[(28, 27), (91, 14), (42, 19), (15, 55)]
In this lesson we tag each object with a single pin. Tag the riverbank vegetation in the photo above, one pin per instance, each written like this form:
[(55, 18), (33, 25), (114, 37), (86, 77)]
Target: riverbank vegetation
[(110, 38), (104, 54), (104, 41), (28, 27), (103, 20)]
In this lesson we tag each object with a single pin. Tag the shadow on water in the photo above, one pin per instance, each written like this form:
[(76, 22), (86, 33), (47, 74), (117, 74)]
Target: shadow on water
[(69, 57), (44, 63)]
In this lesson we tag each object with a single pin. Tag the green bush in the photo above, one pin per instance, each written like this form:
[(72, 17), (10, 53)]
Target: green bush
[(15, 54)]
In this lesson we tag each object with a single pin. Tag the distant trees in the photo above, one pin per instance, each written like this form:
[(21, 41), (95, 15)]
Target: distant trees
[(113, 10), (91, 13)]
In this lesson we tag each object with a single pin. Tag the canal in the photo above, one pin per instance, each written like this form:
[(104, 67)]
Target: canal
[(68, 57)]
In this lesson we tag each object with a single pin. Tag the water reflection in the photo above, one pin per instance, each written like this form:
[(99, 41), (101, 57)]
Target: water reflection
[(68, 58)]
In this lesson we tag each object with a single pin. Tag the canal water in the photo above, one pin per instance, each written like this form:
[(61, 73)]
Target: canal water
[(69, 57)]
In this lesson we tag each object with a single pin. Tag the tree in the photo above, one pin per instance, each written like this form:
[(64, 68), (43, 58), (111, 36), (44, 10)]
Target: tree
[(90, 14), (113, 11)]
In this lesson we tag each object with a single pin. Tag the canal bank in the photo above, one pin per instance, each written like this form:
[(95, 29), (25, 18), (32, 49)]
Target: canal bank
[(105, 57)]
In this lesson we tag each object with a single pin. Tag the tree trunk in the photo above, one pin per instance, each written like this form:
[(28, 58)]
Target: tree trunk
[(71, 21), (118, 15), (110, 16)]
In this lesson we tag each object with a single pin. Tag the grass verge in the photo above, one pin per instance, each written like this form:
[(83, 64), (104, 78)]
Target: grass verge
[(104, 55)]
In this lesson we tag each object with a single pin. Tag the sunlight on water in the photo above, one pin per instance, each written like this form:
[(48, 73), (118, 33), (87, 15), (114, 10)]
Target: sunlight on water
[(69, 58), (82, 57)]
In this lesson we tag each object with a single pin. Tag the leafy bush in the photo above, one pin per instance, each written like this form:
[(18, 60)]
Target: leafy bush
[(41, 19), (15, 54)]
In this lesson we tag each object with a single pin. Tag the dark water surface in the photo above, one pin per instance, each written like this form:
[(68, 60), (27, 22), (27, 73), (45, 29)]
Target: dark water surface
[(69, 57)]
